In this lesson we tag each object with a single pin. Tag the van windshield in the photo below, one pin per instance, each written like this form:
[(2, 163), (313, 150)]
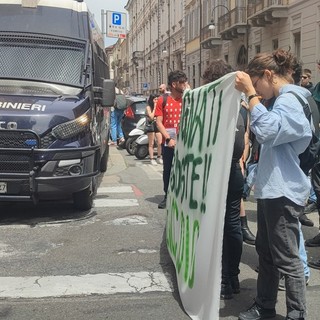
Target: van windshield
[(40, 58)]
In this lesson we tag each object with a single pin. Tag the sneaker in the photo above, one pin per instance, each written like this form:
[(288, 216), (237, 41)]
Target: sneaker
[(235, 284), (314, 264), (255, 312), (226, 292), (304, 220), (314, 242), (163, 203), (310, 208), (153, 162), (159, 160)]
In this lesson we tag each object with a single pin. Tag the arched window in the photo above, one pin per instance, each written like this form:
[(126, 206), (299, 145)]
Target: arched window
[(242, 58)]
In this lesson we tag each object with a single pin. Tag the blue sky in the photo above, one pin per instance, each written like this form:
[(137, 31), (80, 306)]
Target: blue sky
[(95, 6)]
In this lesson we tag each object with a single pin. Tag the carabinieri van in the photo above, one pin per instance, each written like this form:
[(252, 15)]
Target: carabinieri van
[(54, 101)]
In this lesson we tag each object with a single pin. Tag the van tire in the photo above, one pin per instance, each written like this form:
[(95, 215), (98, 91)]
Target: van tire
[(104, 160), (83, 200)]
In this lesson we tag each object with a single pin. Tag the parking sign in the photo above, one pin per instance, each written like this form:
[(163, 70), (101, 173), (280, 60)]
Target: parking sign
[(116, 18), (116, 24)]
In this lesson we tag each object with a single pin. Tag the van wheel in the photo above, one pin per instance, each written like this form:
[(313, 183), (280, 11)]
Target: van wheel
[(104, 160), (141, 151), (83, 200)]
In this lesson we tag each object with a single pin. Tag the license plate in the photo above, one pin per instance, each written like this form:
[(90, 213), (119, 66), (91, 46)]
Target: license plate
[(3, 187)]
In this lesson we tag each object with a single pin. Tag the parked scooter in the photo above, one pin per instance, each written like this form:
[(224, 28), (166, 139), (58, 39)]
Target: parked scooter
[(134, 134), (142, 146)]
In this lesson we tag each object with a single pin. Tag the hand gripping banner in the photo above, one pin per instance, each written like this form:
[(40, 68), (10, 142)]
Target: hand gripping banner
[(197, 193)]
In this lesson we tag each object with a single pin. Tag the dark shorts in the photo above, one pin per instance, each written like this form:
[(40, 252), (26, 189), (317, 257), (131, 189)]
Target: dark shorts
[(152, 128)]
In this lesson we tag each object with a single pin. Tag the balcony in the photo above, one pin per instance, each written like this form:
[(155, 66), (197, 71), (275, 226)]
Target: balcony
[(208, 39), (264, 12), (137, 55), (233, 24)]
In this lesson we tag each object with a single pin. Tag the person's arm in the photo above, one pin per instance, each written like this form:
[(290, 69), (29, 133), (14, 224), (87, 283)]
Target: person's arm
[(159, 121), (149, 113)]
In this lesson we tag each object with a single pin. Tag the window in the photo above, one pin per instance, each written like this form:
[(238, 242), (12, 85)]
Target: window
[(275, 44), (297, 44), (257, 48)]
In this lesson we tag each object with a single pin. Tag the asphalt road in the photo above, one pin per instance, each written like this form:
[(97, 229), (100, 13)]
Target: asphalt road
[(111, 262)]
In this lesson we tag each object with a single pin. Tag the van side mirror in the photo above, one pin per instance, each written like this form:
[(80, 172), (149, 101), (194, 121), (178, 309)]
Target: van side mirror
[(108, 93)]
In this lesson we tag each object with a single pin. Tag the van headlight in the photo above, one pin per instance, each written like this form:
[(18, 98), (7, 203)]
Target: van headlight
[(72, 128)]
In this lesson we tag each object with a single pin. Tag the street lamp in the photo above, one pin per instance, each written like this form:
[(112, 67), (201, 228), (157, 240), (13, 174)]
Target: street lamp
[(212, 25)]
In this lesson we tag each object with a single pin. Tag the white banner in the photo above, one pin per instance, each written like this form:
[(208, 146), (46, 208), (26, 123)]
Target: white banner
[(197, 193)]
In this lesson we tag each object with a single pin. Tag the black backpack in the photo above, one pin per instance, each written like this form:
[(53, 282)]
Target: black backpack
[(310, 156)]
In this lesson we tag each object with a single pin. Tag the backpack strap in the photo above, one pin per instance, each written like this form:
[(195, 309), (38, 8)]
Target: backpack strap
[(306, 108), (310, 109), (164, 100)]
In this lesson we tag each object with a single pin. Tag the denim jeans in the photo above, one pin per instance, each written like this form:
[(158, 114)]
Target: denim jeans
[(250, 179), (277, 245), (116, 130), (167, 158), (232, 234), (303, 253)]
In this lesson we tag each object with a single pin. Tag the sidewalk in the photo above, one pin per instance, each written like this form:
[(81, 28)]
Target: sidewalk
[(230, 309)]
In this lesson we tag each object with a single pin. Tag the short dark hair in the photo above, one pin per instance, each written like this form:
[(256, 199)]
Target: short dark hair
[(175, 76), (297, 70), (217, 69)]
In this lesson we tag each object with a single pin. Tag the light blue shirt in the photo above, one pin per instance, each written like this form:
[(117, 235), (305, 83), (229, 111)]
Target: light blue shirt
[(284, 133)]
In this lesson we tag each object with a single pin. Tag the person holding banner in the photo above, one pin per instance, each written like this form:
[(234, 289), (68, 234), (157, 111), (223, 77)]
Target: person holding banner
[(232, 233), (168, 119), (281, 186)]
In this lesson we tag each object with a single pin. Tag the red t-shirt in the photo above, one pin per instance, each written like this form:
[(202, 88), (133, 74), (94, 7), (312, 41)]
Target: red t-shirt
[(170, 112)]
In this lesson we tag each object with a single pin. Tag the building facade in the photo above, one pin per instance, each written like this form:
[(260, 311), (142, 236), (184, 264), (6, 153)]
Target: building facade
[(165, 35)]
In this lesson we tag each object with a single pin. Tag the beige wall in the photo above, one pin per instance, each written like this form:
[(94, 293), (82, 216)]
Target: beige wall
[(168, 24)]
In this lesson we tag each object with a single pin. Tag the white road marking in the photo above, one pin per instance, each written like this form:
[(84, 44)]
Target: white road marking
[(88, 284), (153, 172), (7, 250), (143, 251), (119, 189), (130, 220), (102, 203)]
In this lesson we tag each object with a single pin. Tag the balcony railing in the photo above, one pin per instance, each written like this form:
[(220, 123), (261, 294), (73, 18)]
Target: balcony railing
[(264, 12), (233, 23), (208, 39), (137, 55)]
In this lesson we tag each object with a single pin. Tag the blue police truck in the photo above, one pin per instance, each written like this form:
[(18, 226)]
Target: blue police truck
[(55, 95)]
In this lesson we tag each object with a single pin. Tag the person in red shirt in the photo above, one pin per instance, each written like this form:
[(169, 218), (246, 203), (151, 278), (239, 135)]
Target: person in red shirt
[(168, 111)]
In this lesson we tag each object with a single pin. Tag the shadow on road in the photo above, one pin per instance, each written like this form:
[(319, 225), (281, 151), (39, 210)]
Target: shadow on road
[(26, 213)]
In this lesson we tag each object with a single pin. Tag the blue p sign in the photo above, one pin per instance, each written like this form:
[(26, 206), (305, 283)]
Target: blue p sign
[(116, 18)]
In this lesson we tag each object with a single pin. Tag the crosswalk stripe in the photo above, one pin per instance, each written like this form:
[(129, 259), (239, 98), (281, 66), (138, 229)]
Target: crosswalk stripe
[(100, 203), (119, 189), (153, 172), (88, 284)]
